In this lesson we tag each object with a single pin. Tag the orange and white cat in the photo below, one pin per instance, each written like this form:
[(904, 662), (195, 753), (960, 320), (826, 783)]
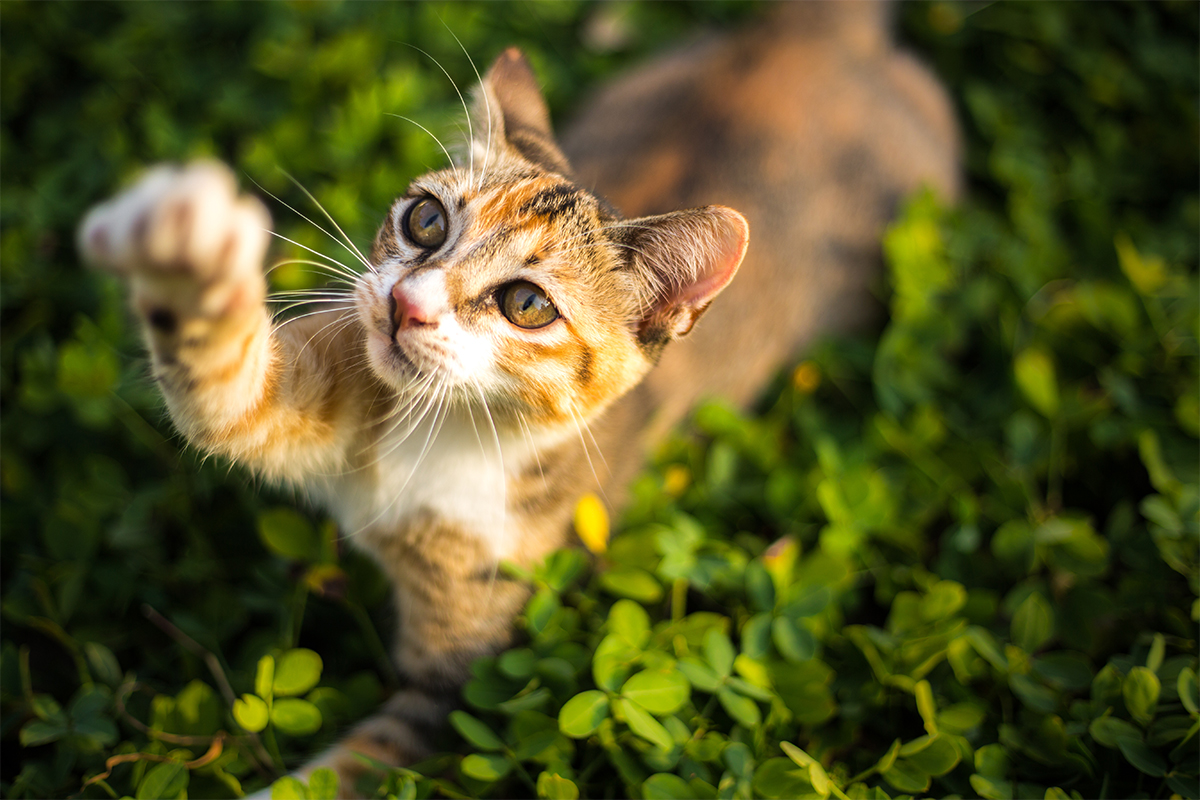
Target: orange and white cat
[(444, 413), (438, 417)]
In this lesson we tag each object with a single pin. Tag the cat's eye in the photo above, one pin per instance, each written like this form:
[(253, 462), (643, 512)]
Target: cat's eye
[(526, 306), (425, 224)]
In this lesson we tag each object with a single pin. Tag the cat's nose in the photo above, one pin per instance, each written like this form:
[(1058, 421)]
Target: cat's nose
[(408, 312)]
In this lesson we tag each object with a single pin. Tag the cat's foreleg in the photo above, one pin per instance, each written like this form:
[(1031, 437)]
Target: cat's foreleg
[(192, 250)]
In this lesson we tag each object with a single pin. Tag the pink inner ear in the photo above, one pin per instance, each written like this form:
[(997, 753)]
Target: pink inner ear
[(717, 257)]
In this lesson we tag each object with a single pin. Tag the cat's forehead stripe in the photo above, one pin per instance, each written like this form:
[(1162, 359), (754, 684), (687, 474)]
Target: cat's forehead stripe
[(533, 201)]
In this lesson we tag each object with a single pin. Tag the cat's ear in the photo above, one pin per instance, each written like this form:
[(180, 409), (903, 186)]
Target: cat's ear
[(510, 111), (681, 261)]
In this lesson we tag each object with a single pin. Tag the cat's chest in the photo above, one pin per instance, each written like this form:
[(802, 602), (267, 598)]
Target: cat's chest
[(456, 469)]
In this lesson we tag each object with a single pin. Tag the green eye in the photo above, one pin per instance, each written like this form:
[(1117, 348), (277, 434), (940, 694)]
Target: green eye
[(526, 306), (426, 223)]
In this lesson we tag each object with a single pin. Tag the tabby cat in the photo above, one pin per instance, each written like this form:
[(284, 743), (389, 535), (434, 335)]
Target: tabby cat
[(489, 368)]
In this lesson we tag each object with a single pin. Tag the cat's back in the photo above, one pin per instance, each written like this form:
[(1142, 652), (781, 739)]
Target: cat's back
[(813, 125)]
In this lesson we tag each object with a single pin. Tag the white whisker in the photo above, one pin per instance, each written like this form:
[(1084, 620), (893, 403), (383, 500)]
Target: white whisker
[(431, 134), (466, 113), (348, 242)]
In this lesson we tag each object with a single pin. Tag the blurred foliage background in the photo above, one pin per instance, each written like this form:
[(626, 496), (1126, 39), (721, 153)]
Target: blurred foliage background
[(957, 556)]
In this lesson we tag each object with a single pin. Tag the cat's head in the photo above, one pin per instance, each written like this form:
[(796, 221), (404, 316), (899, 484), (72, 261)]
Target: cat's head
[(501, 280)]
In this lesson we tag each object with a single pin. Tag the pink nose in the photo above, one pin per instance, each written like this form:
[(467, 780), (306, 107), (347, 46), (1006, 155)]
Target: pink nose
[(408, 313)]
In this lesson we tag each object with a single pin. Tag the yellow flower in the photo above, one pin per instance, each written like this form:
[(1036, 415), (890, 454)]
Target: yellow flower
[(806, 377), (676, 479), (591, 523)]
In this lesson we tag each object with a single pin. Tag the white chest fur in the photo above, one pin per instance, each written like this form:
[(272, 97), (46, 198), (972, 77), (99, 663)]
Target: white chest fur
[(456, 469)]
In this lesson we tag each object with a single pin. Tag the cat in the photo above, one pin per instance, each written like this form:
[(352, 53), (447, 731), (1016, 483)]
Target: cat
[(438, 415), (505, 330)]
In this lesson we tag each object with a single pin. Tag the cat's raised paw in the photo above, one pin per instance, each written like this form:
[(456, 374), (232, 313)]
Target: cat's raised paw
[(178, 222)]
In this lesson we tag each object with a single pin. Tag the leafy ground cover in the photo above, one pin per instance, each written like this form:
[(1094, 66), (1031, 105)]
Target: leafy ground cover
[(955, 557)]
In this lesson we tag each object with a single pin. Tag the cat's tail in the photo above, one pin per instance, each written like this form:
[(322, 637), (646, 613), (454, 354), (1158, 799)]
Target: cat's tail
[(862, 27)]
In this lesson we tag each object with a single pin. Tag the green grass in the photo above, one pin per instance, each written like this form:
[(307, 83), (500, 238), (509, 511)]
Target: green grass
[(955, 557)]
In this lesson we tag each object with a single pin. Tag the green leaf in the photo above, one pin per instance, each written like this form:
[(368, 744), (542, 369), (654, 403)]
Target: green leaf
[(960, 717), (938, 758), (745, 687), (944, 600), (103, 663), (540, 610), (527, 701), (889, 758), (1158, 648), (738, 758), (781, 778), (251, 713), (1140, 690), (907, 777), (718, 651), (1141, 756), (486, 766), (1184, 785), (1109, 731), (1033, 694), (556, 787), (286, 533), (793, 641), (1066, 670), (659, 691), (613, 661), (296, 672), (582, 714), (754, 671), (518, 664), (168, 779), (89, 702), (47, 708), (295, 716), (985, 644), (992, 789), (1162, 477), (1035, 375), (37, 732), (99, 731), (698, 673), (264, 677), (289, 788), (629, 621), (760, 588), (1033, 623), (742, 709), (756, 636), (1147, 274), (665, 786), (1106, 686), (563, 567), (644, 725), (925, 705), (323, 784), (632, 582), (992, 760), (474, 731), (1185, 685), (487, 693), (535, 745)]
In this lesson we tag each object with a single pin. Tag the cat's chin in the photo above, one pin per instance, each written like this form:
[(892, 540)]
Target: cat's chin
[(390, 363), (404, 368)]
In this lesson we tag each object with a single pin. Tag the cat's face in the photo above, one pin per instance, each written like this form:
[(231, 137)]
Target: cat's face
[(502, 283)]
